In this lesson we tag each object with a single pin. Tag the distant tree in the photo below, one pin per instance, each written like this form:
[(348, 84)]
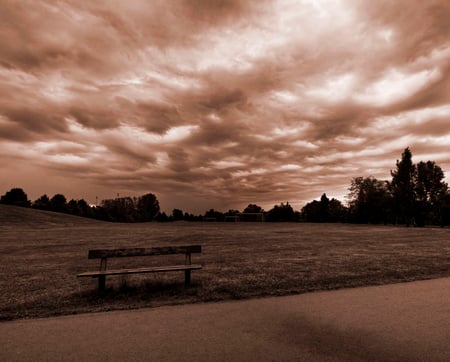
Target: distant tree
[(84, 208), (147, 207), (42, 203), (127, 209), (213, 215), (232, 212), (402, 188), (100, 213), (192, 217), (445, 210), (418, 191), (324, 203), (17, 197), (369, 200), (311, 212), (231, 215), (58, 203), (253, 213), (337, 212), (120, 209), (325, 210), (72, 207), (177, 214), (430, 190), (253, 208), (282, 212), (162, 217)]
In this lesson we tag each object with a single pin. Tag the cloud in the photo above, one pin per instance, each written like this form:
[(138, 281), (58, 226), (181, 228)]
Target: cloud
[(219, 103)]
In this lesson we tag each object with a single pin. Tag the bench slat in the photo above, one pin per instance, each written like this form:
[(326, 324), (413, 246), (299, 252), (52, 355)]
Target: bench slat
[(165, 250), (157, 269)]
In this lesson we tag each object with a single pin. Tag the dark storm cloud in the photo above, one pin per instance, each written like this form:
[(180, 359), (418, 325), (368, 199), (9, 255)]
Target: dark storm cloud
[(14, 132), (156, 117), (221, 103)]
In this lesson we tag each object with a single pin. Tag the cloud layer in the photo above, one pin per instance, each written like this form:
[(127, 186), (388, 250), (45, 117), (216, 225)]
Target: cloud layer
[(219, 103)]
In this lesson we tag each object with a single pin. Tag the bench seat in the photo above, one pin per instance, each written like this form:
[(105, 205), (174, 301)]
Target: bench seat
[(105, 254), (154, 269)]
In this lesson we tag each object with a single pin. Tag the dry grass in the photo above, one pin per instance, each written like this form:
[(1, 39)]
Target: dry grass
[(41, 253)]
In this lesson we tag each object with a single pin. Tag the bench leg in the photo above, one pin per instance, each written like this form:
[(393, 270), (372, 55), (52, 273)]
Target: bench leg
[(187, 277), (101, 282)]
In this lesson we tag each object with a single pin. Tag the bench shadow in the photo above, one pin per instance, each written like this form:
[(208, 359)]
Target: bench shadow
[(141, 289)]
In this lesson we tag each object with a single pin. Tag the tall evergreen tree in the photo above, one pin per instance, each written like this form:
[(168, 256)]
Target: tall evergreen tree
[(402, 188)]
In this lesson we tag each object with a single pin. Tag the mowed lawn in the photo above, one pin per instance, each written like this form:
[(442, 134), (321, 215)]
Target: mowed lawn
[(41, 253)]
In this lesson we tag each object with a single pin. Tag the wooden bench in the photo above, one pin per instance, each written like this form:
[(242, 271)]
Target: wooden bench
[(104, 254)]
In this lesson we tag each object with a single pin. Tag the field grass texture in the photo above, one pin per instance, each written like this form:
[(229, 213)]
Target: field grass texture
[(42, 252)]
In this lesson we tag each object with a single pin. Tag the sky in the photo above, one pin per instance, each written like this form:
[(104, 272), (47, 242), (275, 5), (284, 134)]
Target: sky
[(219, 103)]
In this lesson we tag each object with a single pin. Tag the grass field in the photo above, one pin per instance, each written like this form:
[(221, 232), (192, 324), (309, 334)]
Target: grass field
[(41, 253)]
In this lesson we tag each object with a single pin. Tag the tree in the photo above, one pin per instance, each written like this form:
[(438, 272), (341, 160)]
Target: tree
[(127, 209), (231, 215), (325, 210), (58, 203), (336, 211), (213, 215), (418, 191), (445, 209), (147, 207), (311, 211), (161, 217), (252, 213), (402, 188), (42, 203), (253, 208), (324, 202), (282, 212), (231, 212), (177, 214), (120, 209), (84, 208), (191, 217), (369, 200), (15, 196), (100, 213), (72, 207), (430, 190)]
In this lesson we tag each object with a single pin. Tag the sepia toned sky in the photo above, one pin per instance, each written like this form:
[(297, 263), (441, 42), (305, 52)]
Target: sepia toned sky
[(218, 104)]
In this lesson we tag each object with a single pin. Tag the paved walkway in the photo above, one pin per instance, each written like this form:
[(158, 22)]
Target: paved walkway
[(401, 322)]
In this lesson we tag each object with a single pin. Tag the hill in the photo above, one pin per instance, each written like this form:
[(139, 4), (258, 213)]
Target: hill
[(27, 217)]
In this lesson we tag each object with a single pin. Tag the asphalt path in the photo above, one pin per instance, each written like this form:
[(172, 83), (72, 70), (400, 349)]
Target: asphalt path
[(399, 322)]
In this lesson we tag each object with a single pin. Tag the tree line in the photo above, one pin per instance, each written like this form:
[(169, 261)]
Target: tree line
[(416, 195), (121, 209), (142, 209)]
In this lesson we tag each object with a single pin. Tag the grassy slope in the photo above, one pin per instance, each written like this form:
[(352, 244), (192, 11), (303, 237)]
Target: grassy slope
[(20, 217), (41, 252)]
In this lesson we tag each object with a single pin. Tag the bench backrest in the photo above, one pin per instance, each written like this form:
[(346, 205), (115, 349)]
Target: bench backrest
[(163, 250)]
